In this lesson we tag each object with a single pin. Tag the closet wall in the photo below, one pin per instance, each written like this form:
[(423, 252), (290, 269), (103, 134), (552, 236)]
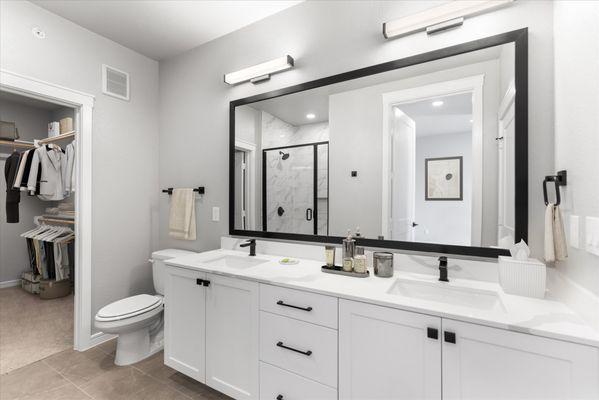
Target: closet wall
[(125, 139), (32, 123)]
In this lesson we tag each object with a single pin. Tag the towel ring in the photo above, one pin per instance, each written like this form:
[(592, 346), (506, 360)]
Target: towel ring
[(561, 179)]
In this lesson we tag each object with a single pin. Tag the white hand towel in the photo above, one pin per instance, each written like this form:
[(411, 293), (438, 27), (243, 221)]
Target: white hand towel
[(556, 248), (549, 243), (559, 235), (182, 218)]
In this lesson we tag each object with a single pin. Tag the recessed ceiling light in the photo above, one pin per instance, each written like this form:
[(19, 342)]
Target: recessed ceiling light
[(437, 103), (310, 115)]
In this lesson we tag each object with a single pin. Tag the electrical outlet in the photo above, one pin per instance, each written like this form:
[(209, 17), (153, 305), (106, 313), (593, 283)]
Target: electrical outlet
[(592, 235), (574, 231), (215, 214)]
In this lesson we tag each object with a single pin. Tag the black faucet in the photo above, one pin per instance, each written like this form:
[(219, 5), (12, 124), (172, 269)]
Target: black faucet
[(252, 244), (443, 269)]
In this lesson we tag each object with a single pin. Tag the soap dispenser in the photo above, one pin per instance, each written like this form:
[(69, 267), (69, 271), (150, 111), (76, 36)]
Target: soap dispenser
[(349, 246)]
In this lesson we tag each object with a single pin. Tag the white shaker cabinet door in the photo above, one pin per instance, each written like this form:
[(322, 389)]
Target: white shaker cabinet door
[(386, 353), (185, 322), (490, 363), (232, 329)]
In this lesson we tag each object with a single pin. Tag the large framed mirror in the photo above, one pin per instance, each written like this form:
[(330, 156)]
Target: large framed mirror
[(427, 153)]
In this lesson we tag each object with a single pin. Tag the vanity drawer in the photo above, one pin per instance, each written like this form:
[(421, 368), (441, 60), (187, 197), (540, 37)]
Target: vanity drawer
[(306, 349), (275, 382), (311, 307)]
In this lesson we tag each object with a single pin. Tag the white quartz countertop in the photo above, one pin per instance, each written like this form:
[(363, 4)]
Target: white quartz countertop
[(539, 317)]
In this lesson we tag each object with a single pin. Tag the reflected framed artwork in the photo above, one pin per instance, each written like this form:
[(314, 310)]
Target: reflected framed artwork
[(443, 179)]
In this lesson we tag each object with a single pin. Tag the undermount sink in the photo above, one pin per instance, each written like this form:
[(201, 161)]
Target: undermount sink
[(442, 293), (237, 262)]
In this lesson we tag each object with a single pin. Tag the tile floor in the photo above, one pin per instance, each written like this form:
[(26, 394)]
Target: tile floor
[(31, 328), (72, 375)]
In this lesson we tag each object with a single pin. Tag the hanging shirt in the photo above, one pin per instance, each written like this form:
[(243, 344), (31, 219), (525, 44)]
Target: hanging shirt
[(13, 196), (23, 172), (69, 176), (51, 161)]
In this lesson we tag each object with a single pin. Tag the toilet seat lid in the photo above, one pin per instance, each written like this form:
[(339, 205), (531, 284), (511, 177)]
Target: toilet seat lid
[(129, 307)]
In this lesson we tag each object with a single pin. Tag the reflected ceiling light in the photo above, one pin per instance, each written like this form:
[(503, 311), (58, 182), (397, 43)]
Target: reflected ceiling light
[(470, 121), (310, 115), (437, 103), (260, 72), (440, 18)]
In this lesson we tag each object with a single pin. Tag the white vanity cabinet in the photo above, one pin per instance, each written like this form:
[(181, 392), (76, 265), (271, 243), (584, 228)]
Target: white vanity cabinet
[(232, 329), (490, 363), (185, 322), (211, 330), (386, 353)]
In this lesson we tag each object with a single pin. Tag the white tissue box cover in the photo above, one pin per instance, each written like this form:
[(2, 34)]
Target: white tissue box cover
[(522, 277)]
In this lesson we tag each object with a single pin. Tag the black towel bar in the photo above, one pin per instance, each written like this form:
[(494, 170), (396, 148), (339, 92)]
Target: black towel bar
[(199, 190), (561, 179)]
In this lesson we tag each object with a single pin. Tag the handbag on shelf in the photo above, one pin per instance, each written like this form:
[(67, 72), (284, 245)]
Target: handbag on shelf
[(8, 130)]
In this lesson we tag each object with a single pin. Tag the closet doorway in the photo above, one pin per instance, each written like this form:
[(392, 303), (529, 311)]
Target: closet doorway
[(45, 149)]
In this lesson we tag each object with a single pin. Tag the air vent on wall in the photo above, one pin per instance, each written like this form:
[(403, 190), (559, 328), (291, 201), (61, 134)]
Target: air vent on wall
[(115, 82)]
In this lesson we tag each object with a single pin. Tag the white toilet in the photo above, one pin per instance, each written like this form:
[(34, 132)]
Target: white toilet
[(138, 320)]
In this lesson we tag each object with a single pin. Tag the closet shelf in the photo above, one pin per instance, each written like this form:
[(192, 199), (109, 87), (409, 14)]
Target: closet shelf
[(10, 143), (57, 138), (56, 220)]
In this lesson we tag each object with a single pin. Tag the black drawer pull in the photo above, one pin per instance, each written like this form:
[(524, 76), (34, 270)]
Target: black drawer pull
[(206, 283), (280, 397), (281, 303), (199, 282), (306, 353), (449, 336)]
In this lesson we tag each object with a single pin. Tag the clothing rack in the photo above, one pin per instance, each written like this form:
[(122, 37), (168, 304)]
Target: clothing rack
[(36, 143), (560, 179), (56, 138), (51, 220), (200, 190)]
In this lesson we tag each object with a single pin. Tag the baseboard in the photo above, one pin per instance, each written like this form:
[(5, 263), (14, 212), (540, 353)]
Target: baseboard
[(7, 284), (99, 338)]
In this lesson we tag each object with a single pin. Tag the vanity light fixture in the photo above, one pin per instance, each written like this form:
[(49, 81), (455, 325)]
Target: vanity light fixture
[(310, 115), (437, 103), (440, 18), (260, 72)]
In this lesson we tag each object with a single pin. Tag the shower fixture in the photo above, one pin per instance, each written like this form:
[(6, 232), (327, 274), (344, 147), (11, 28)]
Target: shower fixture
[(284, 156)]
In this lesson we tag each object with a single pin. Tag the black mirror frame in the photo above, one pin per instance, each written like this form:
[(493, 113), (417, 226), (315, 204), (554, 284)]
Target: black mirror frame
[(520, 39)]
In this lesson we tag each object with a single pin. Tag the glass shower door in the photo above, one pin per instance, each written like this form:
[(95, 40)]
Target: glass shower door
[(289, 182)]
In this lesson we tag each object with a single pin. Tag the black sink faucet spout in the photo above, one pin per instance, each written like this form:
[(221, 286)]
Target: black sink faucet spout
[(443, 269), (252, 244)]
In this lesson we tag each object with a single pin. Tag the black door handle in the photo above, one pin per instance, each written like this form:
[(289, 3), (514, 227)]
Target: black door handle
[(414, 224), (205, 283), (309, 214), (281, 303), (199, 282), (280, 397), (280, 211), (449, 336), (306, 353), (432, 333)]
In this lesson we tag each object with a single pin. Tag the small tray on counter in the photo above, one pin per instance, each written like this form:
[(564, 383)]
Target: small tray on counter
[(339, 271)]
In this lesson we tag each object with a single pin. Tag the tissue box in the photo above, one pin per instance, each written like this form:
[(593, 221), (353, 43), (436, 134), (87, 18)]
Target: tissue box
[(522, 277)]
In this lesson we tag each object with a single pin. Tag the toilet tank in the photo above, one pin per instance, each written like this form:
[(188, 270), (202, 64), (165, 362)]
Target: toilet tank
[(158, 266)]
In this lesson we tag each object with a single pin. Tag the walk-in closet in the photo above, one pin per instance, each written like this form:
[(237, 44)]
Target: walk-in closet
[(37, 229)]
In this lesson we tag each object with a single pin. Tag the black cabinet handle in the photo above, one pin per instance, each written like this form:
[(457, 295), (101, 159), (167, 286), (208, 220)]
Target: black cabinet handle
[(309, 213), (306, 353), (280, 397), (449, 336), (199, 282), (432, 333), (281, 303), (205, 283)]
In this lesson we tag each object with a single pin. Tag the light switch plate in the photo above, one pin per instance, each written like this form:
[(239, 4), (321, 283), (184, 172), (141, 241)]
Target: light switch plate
[(574, 231), (215, 214), (592, 235)]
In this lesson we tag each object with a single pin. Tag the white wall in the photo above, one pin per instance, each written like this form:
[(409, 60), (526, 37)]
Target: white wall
[(325, 38), (125, 139), (356, 125), (31, 123), (577, 125), (446, 222)]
